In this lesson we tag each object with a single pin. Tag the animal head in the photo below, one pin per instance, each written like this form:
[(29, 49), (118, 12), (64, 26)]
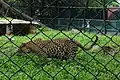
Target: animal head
[(23, 48), (26, 47)]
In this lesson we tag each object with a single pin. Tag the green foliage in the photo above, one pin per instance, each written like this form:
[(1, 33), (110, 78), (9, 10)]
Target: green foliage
[(115, 4), (87, 65), (81, 3), (35, 9)]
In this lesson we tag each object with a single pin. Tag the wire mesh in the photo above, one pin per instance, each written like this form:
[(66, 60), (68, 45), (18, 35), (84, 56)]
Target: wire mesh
[(59, 40)]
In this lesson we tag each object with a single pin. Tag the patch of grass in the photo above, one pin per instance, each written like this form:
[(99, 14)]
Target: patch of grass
[(86, 66), (5, 18)]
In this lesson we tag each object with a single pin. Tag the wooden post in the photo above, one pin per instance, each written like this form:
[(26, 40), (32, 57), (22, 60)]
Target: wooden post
[(9, 29)]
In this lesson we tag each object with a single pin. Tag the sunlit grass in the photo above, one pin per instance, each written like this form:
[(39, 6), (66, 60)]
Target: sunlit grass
[(86, 66), (5, 18)]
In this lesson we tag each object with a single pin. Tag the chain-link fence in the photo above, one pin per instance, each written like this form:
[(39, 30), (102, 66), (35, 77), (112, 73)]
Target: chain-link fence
[(59, 40)]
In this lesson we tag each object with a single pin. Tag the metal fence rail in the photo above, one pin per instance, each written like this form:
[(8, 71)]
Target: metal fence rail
[(59, 40)]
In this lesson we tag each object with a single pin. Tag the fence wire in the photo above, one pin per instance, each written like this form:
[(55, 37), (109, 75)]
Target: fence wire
[(59, 40)]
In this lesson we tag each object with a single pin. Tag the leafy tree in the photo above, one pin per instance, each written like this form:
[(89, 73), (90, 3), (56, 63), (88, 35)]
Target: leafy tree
[(46, 8)]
